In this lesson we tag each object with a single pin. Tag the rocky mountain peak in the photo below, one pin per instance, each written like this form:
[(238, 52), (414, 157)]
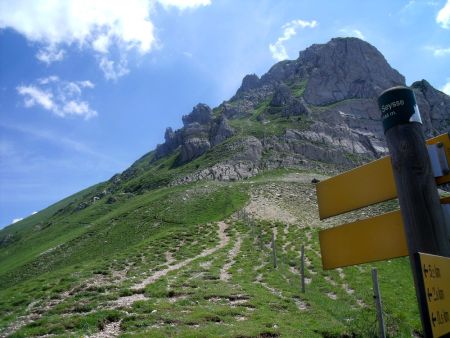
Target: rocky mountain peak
[(345, 68)]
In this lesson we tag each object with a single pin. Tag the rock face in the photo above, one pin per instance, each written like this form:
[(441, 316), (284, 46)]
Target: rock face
[(434, 107), (201, 130), (201, 114), (320, 107), (346, 68), (221, 131)]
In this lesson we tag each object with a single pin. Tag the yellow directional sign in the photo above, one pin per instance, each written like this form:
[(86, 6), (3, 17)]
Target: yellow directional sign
[(368, 240), (372, 239), (366, 185), (436, 285)]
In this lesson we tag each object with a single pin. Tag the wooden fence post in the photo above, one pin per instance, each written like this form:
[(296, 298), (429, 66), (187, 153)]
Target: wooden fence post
[(302, 267), (274, 254)]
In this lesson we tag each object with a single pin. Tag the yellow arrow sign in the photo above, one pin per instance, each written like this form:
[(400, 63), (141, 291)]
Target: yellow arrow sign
[(368, 240), (373, 239), (436, 283), (366, 185)]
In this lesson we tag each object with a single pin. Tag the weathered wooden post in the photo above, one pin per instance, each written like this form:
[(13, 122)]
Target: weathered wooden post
[(274, 253), (423, 219), (378, 304), (302, 267), (261, 246)]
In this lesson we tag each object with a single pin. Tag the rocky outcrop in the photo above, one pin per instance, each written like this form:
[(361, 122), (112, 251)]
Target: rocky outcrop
[(291, 106), (228, 171), (282, 96), (172, 141), (434, 107), (201, 114), (250, 81), (221, 131), (296, 107), (239, 109), (193, 148), (200, 132), (244, 161)]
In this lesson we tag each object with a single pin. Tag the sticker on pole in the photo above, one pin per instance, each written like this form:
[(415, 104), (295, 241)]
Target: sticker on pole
[(398, 106)]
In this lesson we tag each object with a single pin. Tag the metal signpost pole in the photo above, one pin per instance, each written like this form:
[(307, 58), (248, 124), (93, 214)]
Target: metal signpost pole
[(379, 305), (423, 219)]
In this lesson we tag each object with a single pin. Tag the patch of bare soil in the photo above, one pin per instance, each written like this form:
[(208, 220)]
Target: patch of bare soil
[(128, 300), (224, 272)]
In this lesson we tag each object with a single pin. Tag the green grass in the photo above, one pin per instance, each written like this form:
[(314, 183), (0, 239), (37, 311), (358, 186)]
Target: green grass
[(271, 125), (118, 245), (298, 88)]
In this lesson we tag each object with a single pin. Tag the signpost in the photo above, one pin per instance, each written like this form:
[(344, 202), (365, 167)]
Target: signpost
[(419, 229)]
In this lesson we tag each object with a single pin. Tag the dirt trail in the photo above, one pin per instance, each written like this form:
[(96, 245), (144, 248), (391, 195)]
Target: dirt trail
[(224, 273), (223, 240)]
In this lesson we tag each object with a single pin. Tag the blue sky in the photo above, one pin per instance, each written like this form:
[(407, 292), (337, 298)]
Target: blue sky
[(87, 87)]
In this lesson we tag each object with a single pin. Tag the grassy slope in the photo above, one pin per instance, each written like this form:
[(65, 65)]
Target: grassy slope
[(134, 235)]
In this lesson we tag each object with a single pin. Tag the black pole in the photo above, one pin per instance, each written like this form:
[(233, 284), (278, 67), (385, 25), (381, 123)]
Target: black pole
[(423, 219)]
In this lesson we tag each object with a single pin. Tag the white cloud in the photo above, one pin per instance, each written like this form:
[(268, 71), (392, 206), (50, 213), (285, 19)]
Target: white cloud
[(36, 96), (62, 98), (184, 4), (441, 51), (49, 79), (278, 49), (113, 70), (349, 32), (81, 21), (99, 26), (50, 54), (95, 25), (446, 87), (438, 51), (34, 212), (443, 17)]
